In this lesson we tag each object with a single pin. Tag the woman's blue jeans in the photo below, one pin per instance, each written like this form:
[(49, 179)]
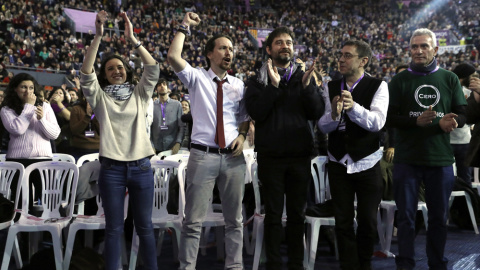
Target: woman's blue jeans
[(115, 178)]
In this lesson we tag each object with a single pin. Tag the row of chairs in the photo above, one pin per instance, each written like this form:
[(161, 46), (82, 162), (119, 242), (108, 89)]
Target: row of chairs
[(59, 183), (164, 166)]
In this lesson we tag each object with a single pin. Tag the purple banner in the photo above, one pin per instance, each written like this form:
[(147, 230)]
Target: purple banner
[(84, 20)]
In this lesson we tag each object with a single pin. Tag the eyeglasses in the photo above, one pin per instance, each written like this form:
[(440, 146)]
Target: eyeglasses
[(345, 55)]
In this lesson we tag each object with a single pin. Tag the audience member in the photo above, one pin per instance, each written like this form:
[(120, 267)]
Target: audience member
[(358, 112), (460, 137), (216, 155), (120, 108), (472, 158), (31, 124), (168, 130), (281, 100), (61, 106), (84, 128), (426, 104)]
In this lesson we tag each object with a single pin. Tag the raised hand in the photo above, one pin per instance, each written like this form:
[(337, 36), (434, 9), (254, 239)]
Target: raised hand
[(426, 118), (273, 73), (30, 98), (56, 99), (128, 27), (191, 19), (102, 17), (337, 106), (474, 85), (308, 75), (347, 100)]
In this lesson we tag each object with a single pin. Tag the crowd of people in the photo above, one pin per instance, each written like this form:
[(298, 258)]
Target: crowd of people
[(161, 66), (37, 34)]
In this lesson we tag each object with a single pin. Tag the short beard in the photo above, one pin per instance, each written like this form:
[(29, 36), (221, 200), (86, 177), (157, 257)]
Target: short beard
[(162, 94), (283, 60)]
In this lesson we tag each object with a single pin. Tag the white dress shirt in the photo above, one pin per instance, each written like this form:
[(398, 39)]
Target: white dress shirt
[(203, 98), (372, 120)]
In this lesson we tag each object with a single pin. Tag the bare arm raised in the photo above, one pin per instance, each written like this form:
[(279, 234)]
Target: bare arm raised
[(174, 55)]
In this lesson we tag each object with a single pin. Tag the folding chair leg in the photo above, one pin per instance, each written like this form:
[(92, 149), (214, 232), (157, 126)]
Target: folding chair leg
[(11, 239), (472, 214), (258, 244), (17, 254), (57, 249)]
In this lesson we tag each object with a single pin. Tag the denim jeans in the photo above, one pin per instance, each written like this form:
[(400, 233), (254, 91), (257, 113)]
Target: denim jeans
[(229, 173), (438, 187), (136, 176), (284, 180)]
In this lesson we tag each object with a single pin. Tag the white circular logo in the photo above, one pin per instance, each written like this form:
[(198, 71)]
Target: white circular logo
[(427, 95)]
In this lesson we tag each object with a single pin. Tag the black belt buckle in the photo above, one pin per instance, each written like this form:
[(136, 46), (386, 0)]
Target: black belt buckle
[(224, 151)]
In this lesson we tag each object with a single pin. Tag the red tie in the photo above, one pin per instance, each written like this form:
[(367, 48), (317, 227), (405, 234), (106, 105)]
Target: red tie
[(219, 132)]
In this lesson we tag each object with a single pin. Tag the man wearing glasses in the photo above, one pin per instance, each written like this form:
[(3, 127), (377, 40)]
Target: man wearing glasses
[(426, 104), (357, 113)]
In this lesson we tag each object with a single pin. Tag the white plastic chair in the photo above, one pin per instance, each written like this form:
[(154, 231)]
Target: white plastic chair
[(161, 219), (250, 157), (322, 193), (63, 157), (385, 223), (469, 205), (81, 160), (183, 157), (8, 170), (167, 153), (476, 180), (55, 178), (57, 157), (88, 224), (87, 157)]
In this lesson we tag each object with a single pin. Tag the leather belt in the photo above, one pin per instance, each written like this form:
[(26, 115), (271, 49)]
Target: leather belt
[(204, 148)]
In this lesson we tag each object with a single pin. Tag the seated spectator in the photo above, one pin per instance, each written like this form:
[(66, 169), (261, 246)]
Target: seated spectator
[(3, 72), (84, 129), (8, 78), (174, 96), (60, 105), (31, 124)]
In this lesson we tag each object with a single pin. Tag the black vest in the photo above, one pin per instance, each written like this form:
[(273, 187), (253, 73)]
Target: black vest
[(355, 140)]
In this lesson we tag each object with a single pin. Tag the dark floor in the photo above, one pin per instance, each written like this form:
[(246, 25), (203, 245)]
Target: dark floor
[(463, 252)]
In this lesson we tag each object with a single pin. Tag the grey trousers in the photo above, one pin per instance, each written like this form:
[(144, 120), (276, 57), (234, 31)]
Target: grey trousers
[(203, 169)]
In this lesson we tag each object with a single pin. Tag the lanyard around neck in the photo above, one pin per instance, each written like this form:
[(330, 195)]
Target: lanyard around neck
[(353, 86)]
